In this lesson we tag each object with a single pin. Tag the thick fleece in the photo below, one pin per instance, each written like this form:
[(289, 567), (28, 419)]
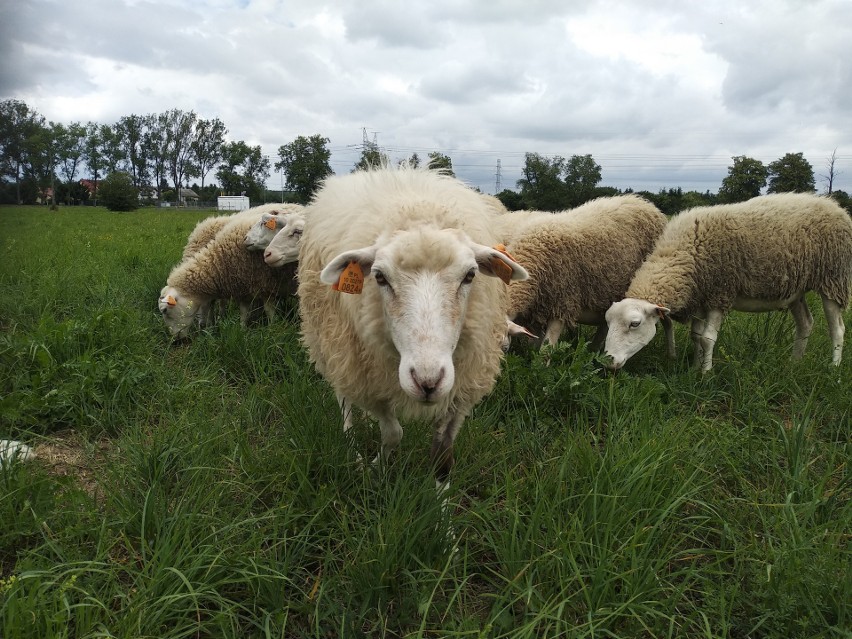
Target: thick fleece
[(579, 261), (224, 269), (759, 255), (425, 217)]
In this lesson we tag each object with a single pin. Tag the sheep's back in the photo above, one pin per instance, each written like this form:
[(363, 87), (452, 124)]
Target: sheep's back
[(769, 247), (582, 259)]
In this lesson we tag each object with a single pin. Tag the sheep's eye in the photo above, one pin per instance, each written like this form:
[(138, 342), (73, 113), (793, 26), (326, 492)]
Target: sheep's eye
[(468, 278), (297, 231), (381, 280), (635, 324)]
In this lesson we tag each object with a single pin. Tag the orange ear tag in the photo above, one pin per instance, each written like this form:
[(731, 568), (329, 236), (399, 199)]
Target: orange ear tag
[(270, 224), (170, 300), (351, 279), (500, 268)]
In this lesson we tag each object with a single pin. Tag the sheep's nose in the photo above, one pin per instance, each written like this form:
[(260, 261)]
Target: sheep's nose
[(428, 384), (267, 255), (610, 363)]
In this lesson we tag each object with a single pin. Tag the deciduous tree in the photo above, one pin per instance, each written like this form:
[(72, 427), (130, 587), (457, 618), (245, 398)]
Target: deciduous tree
[(371, 157), (305, 162), (746, 177), (17, 123), (541, 186), (791, 174), (207, 144), (440, 162), (244, 169), (118, 193), (582, 175)]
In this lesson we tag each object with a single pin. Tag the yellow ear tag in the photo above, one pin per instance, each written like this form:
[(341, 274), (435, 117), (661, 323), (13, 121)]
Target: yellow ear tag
[(351, 279), (170, 300), (500, 268), (270, 224)]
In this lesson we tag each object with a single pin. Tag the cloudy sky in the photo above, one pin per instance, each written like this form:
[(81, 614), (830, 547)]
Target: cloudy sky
[(662, 93)]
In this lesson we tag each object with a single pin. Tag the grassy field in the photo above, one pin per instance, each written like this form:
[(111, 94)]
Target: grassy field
[(207, 490)]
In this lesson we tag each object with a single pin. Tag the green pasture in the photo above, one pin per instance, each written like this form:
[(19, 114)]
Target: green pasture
[(206, 490)]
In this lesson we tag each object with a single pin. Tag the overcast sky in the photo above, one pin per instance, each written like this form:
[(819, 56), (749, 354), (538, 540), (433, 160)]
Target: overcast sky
[(662, 93)]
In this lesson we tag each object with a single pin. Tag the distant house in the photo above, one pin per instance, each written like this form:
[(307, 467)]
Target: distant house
[(187, 195)]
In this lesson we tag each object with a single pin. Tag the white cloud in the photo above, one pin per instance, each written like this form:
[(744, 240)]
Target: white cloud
[(660, 93)]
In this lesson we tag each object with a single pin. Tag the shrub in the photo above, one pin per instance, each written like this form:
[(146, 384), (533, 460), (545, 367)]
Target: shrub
[(117, 192)]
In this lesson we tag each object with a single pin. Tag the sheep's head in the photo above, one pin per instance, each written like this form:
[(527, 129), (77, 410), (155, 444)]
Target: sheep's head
[(631, 324), (261, 233), (284, 247), (179, 310), (424, 277)]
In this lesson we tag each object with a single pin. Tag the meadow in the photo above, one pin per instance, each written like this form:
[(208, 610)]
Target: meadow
[(207, 490)]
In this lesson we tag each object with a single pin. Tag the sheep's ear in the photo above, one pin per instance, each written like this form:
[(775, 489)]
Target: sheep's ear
[(661, 311), (269, 221), (496, 262), (334, 269)]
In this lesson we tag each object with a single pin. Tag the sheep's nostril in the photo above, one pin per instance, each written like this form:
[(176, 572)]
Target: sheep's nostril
[(428, 385)]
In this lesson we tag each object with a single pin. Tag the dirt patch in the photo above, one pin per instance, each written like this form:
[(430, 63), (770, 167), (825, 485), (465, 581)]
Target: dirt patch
[(68, 454)]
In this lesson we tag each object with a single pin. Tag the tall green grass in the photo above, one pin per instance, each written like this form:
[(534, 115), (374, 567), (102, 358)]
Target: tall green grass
[(228, 503)]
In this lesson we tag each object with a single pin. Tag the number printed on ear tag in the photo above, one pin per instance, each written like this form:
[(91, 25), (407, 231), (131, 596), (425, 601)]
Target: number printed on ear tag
[(351, 279)]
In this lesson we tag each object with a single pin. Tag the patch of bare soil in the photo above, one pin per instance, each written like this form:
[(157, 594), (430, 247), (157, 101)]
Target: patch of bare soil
[(68, 454)]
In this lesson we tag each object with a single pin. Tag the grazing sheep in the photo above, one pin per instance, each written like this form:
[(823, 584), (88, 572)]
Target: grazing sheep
[(284, 247), (261, 233), (579, 261), (223, 269), (759, 255), (422, 339)]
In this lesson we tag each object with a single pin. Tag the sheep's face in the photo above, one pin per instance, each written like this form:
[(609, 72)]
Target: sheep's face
[(424, 277), (284, 247), (631, 324), (261, 233), (179, 311)]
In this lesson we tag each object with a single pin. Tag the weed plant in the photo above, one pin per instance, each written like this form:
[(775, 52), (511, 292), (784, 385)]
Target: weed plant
[(215, 495)]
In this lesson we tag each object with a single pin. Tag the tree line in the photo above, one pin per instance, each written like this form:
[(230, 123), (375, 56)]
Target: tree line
[(158, 154)]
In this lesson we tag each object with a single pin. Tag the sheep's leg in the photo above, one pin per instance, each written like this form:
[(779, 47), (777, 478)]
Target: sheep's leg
[(443, 461), (554, 330), (269, 308), (709, 336), (391, 435), (696, 331), (836, 328), (804, 324), (442, 449), (245, 313), (668, 330)]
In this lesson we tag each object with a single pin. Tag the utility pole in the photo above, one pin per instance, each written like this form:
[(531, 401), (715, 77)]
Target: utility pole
[(498, 183)]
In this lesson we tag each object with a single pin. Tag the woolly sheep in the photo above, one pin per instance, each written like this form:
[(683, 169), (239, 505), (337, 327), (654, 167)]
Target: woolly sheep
[(261, 233), (422, 340), (222, 270), (284, 247), (759, 255), (579, 261)]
